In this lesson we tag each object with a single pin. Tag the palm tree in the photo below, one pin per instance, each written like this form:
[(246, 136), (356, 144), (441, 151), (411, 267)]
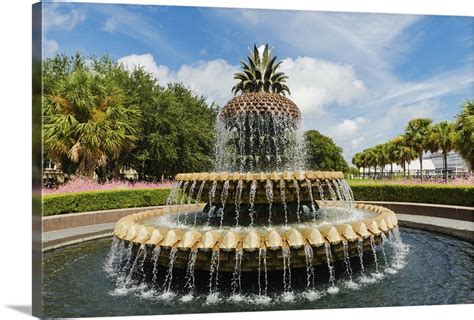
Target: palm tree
[(416, 134), (391, 150), (357, 161), (371, 160), (404, 153), (464, 127), (442, 137), (260, 74), (85, 121), (366, 160), (381, 156)]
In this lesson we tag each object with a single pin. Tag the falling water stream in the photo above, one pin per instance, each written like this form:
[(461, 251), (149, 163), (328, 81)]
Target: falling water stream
[(310, 275), (169, 273), (190, 279)]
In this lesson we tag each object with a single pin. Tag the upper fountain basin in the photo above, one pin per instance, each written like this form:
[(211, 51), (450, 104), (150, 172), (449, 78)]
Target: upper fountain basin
[(288, 186)]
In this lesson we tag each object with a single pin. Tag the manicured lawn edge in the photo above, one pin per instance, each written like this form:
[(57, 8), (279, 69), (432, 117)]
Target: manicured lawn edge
[(435, 194), (103, 200)]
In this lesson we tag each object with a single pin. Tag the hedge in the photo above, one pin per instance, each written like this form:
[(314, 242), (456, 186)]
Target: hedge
[(115, 199), (103, 200), (436, 194)]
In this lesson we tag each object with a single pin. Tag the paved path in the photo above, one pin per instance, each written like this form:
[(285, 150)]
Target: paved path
[(60, 238), (456, 228)]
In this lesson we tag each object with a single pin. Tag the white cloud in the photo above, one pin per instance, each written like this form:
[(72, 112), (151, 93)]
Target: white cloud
[(347, 128), (135, 25), (405, 93), (110, 24), (160, 72), (55, 15), (50, 47), (399, 115), (60, 16), (360, 133), (315, 83), (213, 79), (355, 143), (368, 41)]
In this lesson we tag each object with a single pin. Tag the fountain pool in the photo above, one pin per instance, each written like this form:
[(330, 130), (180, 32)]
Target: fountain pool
[(429, 269)]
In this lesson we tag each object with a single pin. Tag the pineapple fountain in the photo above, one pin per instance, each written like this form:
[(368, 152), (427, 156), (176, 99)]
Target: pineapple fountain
[(260, 211)]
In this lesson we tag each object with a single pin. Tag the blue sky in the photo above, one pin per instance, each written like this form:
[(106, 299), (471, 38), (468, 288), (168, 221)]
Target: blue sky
[(356, 77)]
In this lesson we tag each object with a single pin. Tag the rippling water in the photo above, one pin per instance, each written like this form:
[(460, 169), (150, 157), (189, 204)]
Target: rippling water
[(429, 269)]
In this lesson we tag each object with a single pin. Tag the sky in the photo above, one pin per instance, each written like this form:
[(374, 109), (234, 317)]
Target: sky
[(357, 77)]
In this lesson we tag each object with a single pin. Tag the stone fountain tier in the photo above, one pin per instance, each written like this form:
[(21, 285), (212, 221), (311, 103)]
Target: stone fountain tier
[(251, 242), (286, 186), (260, 103)]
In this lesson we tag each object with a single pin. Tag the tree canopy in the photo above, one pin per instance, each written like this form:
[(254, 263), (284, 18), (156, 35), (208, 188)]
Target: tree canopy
[(464, 127), (323, 153), (97, 117)]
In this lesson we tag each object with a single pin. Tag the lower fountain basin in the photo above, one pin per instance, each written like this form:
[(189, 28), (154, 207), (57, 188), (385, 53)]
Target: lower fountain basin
[(152, 231), (78, 284)]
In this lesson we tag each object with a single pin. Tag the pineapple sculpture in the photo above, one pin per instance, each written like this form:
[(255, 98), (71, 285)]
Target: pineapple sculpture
[(259, 126)]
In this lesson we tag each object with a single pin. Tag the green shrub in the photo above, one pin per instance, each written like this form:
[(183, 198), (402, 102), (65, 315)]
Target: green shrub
[(103, 200), (436, 194), (116, 199)]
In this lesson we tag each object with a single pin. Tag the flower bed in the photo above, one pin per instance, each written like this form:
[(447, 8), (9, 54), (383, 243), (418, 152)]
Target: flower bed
[(83, 184)]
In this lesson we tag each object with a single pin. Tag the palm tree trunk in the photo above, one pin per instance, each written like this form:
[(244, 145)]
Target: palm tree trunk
[(375, 172), (391, 170), (445, 165), (363, 172), (404, 169), (421, 165)]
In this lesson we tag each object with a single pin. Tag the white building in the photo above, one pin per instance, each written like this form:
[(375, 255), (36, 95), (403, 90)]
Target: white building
[(456, 164), (432, 166)]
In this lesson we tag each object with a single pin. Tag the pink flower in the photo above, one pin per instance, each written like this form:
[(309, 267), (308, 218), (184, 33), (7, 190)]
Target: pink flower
[(84, 184)]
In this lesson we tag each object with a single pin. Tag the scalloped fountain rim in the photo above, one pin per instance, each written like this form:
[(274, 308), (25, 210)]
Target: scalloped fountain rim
[(132, 230), (262, 176)]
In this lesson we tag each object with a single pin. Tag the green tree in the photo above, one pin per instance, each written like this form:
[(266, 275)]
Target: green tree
[(353, 171), (357, 160), (464, 127), (85, 121), (59, 67), (442, 137), (416, 134), (390, 148), (381, 156), (140, 89), (370, 156), (177, 134), (364, 161), (323, 153), (404, 153)]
